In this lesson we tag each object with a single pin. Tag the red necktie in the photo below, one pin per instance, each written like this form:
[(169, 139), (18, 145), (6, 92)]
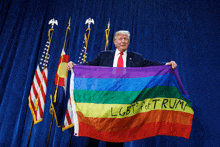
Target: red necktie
[(120, 60)]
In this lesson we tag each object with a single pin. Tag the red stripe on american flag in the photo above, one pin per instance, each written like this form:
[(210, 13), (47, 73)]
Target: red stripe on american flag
[(37, 95), (43, 95), (68, 117), (45, 77), (32, 105), (40, 108), (34, 90), (42, 87), (68, 120), (37, 77)]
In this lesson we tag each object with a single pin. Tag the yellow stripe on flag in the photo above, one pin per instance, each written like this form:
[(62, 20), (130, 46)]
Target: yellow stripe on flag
[(127, 110)]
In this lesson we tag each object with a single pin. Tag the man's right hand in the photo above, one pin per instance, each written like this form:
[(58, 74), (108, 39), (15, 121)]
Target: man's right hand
[(69, 65)]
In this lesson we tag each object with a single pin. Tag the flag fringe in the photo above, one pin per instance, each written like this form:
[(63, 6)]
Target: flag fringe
[(52, 110), (32, 112)]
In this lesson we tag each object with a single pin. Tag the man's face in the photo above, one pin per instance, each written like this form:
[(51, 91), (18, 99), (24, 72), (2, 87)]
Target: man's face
[(121, 42)]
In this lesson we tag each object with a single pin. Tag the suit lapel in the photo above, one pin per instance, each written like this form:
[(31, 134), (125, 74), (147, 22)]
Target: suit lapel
[(129, 60), (111, 58)]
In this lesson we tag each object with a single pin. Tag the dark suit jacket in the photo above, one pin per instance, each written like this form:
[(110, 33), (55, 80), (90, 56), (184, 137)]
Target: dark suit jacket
[(106, 58)]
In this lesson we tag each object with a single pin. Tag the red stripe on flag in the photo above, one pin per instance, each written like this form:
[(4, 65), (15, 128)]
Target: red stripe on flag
[(36, 95), (68, 117), (103, 124), (42, 91), (45, 76), (146, 130), (33, 108), (38, 78), (65, 58), (45, 82), (61, 80), (40, 108), (68, 120), (34, 90), (41, 94)]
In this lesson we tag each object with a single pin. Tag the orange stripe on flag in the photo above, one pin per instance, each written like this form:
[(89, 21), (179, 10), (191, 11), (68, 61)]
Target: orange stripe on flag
[(118, 124)]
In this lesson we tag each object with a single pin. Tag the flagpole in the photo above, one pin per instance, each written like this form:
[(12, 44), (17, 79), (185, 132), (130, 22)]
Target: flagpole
[(55, 95), (51, 124), (107, 34), (89, 21), (71, 137), (53, 98), (29, 137), (86, 40)]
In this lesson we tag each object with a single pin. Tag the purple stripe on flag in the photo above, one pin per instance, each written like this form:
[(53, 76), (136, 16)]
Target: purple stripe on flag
[(85, 71), (176, 74)]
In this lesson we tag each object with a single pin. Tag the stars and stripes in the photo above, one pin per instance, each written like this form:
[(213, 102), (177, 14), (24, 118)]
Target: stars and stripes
[(39, 86), (82, 53), (68, 121)]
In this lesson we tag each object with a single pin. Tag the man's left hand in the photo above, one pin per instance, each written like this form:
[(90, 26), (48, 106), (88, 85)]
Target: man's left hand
[(173, 63)]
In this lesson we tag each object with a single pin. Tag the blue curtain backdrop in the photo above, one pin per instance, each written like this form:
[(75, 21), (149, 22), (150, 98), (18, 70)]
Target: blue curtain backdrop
[(187, 31)]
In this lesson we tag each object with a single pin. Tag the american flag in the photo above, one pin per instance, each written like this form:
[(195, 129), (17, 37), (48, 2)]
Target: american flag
[(82, 53), (39, 86), (68, 121)]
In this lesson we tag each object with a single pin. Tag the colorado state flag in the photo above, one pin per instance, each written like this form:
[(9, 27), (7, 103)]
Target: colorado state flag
[(60, 82)]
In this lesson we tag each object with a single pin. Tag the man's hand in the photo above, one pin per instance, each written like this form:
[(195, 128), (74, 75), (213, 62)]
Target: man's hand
[(173, 63), (69, 65)]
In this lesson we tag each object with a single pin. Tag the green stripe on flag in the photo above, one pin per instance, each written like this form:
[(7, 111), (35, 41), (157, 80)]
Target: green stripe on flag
[(124, 97)]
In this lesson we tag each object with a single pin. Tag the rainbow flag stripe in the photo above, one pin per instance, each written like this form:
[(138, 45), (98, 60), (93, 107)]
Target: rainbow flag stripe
[(127, 104)]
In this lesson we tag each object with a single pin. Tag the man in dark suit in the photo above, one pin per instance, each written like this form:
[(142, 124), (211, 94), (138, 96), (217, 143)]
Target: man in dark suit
[(129, 59), (119, 58), (106, 58)]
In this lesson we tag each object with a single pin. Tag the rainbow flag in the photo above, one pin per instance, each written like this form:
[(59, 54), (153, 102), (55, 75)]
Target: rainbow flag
[(126, 104)]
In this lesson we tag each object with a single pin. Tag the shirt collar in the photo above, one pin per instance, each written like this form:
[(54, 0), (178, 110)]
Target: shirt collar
[(118, 52)]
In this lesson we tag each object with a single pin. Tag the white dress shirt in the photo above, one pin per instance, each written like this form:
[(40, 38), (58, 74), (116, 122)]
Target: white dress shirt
[(117, 55)]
